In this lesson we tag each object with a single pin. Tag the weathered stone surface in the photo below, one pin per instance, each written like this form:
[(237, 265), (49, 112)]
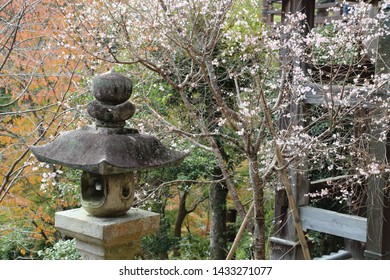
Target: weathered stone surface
[(107, 238), (112, 88), (107, 195), (111, 108), (89, 150), (108, 151), (126, 251), (81, 225), (111, 113)]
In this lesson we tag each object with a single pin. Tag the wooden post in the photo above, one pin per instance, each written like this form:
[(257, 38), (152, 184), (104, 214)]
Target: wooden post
[(378, 196), (378, 221), (284, 243), (304, 6), (378, 204)]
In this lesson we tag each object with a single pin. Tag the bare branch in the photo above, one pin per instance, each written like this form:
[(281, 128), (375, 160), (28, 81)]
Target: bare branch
[(6, 180)]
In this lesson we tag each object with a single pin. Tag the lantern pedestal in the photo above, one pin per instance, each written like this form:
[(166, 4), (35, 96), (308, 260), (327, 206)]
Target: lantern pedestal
[(108, 153), (115, 238)]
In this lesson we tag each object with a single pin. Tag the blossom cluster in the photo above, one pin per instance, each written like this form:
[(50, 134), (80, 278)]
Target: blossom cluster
[(327, 110)]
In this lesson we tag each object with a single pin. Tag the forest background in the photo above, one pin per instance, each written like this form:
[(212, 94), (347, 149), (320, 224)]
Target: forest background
[(209, 77)]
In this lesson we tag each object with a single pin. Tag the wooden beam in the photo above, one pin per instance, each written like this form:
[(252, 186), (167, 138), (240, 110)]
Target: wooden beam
[(321, 93), (327, 5), (348, 226), (273, 12), (332, 179), (282, 241)]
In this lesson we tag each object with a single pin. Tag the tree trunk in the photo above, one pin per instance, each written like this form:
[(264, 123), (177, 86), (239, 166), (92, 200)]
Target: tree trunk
[(228, 179), (181, 215), (218, 193), (259, 213)]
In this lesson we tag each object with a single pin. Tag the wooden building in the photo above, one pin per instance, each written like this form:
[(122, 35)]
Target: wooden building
[(366, 233)]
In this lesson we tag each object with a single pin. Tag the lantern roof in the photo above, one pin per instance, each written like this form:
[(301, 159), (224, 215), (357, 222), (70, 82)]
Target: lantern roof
[(108, 147)]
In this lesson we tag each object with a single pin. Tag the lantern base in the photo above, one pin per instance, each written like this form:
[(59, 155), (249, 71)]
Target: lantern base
[(115, 238)]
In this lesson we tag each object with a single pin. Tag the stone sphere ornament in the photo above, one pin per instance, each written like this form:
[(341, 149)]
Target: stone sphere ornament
[(112, 88), (108, 152)]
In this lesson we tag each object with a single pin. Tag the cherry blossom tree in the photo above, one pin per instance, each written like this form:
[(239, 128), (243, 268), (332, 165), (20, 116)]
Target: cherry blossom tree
[(248, 86)]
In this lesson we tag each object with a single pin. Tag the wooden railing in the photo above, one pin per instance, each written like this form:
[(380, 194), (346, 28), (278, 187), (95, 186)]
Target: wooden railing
[(272, 11)]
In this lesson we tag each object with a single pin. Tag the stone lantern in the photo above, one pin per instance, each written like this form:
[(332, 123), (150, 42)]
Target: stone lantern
[(108, 153)]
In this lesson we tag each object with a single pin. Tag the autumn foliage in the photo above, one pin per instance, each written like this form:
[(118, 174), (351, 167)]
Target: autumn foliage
[(38, 87), (208, 75)]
